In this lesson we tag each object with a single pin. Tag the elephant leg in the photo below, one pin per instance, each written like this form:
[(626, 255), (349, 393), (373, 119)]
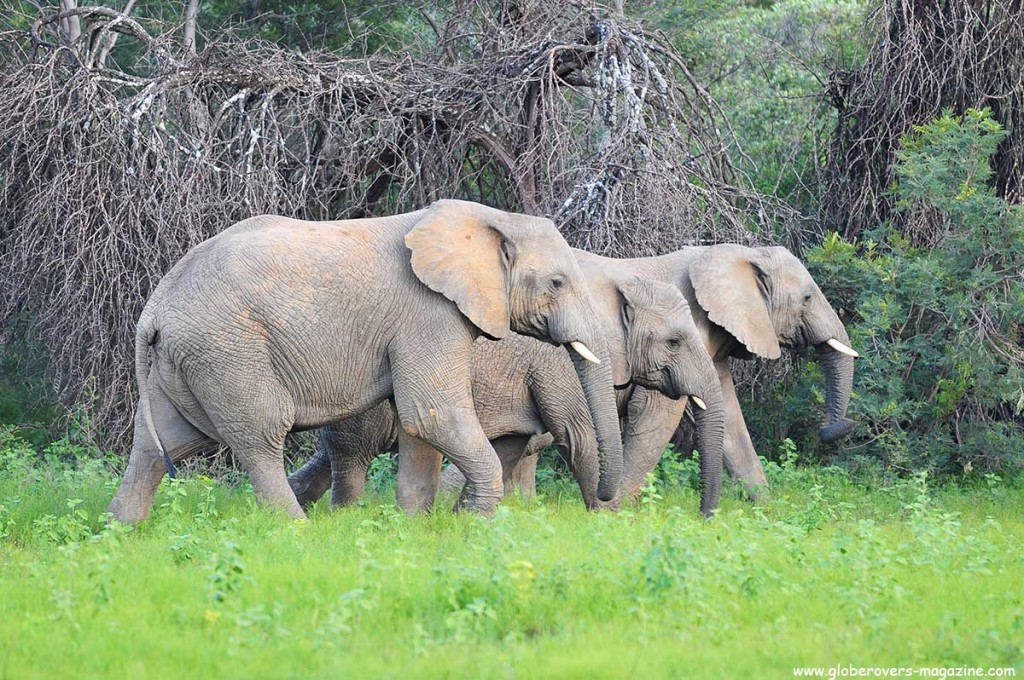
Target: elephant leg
[(512, 451), (310, 482), (523, 475), (452, 480), (419, 474), (470, 451), (435, 406), (484, 486), (353, 444), (651, 420), (522, 478), (561, 407), (134, 498), (518, 457), (264, 461), (256, 437), (348, 479), (740, 456), (345, 477), (344, 453)]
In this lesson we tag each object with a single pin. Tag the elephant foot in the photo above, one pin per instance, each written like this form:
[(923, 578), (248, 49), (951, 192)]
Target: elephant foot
[(127, 512), (272, 489), (471, 500), (133, 500), (756, 493), (753, 484), (289, 505), (308, 489), (613, 505)]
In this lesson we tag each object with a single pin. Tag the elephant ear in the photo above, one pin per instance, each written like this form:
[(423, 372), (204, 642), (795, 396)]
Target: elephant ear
[(732, 289), (629, 304), (459, 252)]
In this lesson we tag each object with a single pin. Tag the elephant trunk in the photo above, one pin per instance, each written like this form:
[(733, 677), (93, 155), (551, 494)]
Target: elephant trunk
[(711, 443), (837, 364), (838, 370), (577, 324), (596, 380)]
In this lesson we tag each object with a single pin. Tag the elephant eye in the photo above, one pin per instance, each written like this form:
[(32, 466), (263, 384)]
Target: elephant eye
[(807, 298), (557, 282), (675, 343)]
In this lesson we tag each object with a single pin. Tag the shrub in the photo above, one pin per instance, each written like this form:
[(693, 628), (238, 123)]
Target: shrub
[(940, 330)]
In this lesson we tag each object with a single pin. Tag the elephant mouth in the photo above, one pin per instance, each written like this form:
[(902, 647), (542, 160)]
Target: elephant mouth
[(670, 389), (656, 380), (797, 342)]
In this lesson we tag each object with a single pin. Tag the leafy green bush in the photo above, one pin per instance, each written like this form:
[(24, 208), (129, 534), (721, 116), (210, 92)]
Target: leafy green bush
[(940, 330)]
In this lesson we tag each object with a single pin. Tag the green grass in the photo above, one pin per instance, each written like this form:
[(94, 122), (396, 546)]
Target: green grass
[(827, 572)]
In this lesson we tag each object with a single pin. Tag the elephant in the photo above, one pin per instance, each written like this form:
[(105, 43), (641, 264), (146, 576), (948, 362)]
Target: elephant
[(746, 302), (278, 325), (522, 388)]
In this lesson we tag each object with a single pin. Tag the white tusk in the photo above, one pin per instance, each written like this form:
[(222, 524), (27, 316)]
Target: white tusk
[(584, 352), (840, 347), (699, 403)]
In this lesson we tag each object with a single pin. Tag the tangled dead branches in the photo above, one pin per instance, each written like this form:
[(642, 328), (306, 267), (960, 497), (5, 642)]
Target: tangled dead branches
[(929, 55), (111, 173)]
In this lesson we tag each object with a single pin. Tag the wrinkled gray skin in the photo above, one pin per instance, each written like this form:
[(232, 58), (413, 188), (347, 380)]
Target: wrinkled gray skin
[(746, 302), (522, 388), (278, 325)]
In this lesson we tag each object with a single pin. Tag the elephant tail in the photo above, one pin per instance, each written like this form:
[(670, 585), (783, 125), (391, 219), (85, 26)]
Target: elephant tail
[(145, 337)]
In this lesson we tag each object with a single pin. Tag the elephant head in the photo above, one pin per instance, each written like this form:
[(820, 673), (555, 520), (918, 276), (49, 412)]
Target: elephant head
[(515, 273), (665, 352), (766, 299)]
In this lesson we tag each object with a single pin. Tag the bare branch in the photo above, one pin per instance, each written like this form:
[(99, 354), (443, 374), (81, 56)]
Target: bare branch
[(70, 24), (191, 15), (111, 39)]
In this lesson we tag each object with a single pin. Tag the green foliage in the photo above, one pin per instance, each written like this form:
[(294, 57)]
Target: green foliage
[(766, 65), (940, 330), (227, 573), (675, 470), (944, 166), (825, 569), (383, 472)]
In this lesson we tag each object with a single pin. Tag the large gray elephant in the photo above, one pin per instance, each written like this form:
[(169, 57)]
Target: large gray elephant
[(277, 325), (522, 387), (746, 302)]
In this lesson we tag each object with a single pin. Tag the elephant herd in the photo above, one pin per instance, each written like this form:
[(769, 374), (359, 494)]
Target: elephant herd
[(445, 332)]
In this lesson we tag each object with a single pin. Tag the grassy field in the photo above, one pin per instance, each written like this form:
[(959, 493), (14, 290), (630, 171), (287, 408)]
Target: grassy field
[(828, 572)]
